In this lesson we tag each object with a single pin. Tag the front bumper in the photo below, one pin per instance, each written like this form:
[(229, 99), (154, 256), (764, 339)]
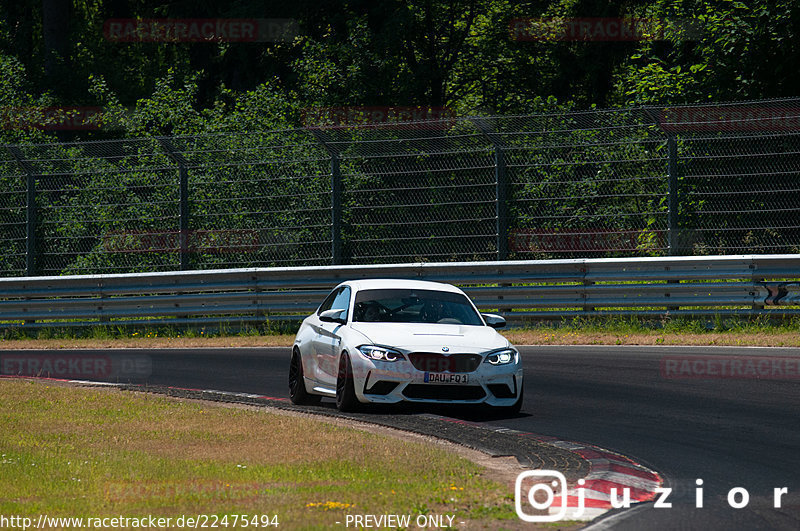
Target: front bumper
[(384, 382)]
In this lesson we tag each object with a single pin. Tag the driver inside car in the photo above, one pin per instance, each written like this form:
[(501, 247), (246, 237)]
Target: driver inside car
[(435, 311), (367, 312)]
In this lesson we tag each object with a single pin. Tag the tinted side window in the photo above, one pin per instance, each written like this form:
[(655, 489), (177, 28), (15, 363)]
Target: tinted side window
[(328, 302), (342, 300), (339, 299)]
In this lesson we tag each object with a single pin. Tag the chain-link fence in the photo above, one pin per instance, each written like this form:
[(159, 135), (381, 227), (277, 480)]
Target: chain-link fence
[(739, 177), (707, 179)]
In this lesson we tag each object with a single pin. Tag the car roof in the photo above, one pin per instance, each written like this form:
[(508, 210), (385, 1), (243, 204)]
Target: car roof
[(388, 283)]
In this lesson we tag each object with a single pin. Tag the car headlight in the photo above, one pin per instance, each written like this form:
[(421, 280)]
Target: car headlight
[(374, 352), (502, 357)]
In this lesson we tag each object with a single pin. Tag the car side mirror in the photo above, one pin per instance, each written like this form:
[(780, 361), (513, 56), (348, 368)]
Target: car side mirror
[(495, 321), (334, 316)]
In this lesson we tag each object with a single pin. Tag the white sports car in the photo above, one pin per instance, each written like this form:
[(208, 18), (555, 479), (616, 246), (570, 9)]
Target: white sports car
[(386, 341)]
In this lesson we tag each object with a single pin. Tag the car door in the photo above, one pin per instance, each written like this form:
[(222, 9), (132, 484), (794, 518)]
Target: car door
[(327, 341)]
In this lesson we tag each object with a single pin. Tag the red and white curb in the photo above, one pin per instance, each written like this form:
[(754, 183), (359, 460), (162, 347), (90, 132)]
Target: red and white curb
[(611, 474)]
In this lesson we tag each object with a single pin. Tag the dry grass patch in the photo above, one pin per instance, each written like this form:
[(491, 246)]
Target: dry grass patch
[(149, 342), (92, 452), (655, 337)]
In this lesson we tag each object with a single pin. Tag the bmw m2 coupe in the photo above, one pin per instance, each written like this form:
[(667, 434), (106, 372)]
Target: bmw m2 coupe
[(387, 341)]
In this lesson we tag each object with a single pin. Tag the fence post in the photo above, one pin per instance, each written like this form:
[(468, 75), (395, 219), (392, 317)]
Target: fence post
[(336, 211), (501, 188), (336, 197), (30, 210), (672, 186), (183, 200), (501, 210), (673, 202)]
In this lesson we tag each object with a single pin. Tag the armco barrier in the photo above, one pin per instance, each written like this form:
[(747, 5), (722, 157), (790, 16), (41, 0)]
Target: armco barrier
[(520, 290)]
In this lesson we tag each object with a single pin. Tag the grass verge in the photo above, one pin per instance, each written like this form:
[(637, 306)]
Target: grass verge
[(595, 331), (84, 452), (760, 332)]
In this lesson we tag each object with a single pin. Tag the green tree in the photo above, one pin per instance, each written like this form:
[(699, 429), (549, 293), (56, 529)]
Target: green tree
[(721, 50)]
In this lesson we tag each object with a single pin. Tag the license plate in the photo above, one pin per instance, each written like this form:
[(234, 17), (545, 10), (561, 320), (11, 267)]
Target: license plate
[(446, 378)]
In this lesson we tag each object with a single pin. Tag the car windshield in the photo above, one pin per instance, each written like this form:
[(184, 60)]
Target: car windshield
[(414, 306)]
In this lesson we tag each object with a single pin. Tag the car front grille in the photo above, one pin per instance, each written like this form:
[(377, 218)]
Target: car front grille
[(433, 362), (444, 392)]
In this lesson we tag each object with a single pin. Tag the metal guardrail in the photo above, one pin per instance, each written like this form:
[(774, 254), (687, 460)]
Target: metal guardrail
[(520, 290)]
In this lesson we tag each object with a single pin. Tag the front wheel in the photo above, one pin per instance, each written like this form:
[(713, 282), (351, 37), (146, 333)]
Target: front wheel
[(297, 386), (345, 387)]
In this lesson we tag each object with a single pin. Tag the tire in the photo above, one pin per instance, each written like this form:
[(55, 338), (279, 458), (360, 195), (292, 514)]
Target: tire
[(297, 387), (345, 387)]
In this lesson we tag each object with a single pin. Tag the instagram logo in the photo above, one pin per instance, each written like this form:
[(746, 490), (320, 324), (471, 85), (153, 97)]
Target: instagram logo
[(549, 483)]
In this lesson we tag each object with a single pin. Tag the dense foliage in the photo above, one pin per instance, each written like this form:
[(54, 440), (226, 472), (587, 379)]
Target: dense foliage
[(458, 54)]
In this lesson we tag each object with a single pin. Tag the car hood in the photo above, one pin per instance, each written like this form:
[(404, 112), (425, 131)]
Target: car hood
[(413, 336)]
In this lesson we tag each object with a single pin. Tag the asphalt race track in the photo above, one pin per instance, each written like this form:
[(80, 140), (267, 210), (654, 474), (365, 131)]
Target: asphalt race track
[(654, 404)]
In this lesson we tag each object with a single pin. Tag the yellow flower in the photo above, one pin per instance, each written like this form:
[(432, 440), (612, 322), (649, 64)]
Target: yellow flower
[(330, 505)]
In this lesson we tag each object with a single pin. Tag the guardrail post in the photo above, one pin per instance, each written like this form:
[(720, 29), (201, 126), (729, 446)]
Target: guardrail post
[(30, 210), (336, 197), (673, 203), (183, 201), (757, 305), (756, 282)]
